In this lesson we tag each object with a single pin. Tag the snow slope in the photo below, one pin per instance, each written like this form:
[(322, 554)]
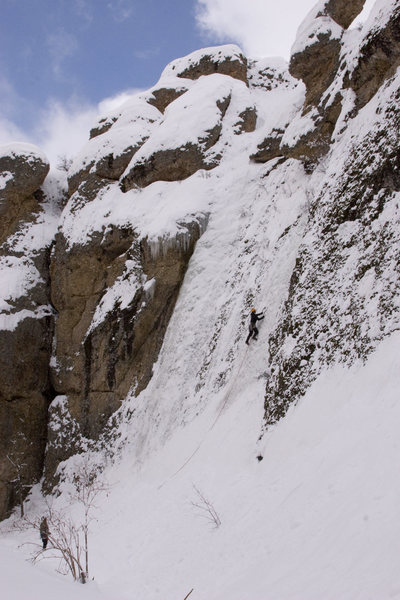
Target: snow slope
[(314, 519)]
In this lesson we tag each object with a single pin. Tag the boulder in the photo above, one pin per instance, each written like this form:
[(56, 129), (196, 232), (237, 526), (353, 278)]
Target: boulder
[(178, 147)]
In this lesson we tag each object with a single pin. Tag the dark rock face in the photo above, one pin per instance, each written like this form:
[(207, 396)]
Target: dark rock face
[(162, 97), (18, 201), (378, 60), (171, 165), (25, 344), (343, 11), (234, 66), (247, 121), (24, 398), (328, 317), (103, 126)]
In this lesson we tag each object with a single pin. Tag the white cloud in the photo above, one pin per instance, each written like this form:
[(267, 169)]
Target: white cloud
[(113, 102), (260, 27), (62, 128), (9, 132), (121, 9), (61, 45), (84, 9)]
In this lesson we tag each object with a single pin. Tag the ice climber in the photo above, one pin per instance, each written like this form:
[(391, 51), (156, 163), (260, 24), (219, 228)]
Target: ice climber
[(44, 532), (253, 331)]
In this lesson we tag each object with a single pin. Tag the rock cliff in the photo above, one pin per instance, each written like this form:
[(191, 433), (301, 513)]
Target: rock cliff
[(243, 181), (26, 321)]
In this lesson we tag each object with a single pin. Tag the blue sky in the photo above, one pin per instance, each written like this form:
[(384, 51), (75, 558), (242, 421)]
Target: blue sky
[(63, 61), (90, 49)]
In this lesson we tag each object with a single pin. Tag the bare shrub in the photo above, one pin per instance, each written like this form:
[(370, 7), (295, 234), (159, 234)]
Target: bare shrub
[(205, 508), (69, 539)]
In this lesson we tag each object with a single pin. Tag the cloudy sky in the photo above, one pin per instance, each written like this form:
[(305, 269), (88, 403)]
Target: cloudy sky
[(62, 62)]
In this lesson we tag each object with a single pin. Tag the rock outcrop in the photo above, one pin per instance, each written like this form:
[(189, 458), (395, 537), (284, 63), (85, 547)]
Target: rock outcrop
[(26, 323), (378, 58), (342, 296), (315, 59), (226, 60)]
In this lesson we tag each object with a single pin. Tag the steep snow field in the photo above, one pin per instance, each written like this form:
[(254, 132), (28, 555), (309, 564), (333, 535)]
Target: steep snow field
[(316, 518)]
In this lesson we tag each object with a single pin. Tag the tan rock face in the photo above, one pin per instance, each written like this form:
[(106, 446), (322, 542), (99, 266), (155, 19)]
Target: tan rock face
[(317, 65), (98, 363), (25, 349)]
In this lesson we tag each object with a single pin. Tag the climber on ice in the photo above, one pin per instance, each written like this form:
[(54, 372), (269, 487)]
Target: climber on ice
[(254, 317)]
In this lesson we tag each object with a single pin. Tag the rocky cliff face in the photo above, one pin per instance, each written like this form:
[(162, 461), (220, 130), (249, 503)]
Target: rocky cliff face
[(343, 296), (26, 321), (114, 287), (295, 168)]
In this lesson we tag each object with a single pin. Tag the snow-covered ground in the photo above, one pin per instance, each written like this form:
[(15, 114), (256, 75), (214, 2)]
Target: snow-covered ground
[(316, 518)]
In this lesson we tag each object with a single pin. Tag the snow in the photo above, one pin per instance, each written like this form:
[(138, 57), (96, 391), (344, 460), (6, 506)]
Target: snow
[(30, 152), (132, 124), (315, 518), (4, 177), (18, 276), (313, 27), (120, 294), (308, 509), (215, 53), (189, 118)]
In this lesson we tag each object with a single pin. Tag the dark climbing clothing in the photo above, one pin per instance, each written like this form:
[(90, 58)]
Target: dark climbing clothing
[(253, 330), (44, 532)]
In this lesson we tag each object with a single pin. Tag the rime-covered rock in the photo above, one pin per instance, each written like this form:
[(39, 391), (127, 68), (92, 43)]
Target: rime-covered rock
[(342, 300)]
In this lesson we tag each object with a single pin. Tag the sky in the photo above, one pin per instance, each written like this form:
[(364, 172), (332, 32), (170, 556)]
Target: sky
[(64, 62)]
